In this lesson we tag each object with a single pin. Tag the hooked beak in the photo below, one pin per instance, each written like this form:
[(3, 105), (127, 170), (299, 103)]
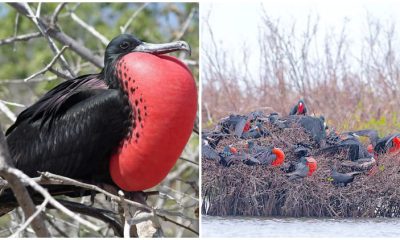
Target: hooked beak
[(162, 48)]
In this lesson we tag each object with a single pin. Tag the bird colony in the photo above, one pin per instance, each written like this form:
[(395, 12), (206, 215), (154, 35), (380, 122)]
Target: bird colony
[(270, 165)]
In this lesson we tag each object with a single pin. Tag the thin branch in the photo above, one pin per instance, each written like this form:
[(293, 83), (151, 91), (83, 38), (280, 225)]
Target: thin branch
[(7, 112), (61, 180), (52, 201), (190, 161), (12, 103), (178, 224), (90, 29), (24, 37), (39, 209), (61, 37), (52, 45), (185, 25), (123, 28), (54, 17), (45, 69)]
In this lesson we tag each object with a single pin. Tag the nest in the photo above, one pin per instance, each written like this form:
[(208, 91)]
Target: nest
[(266, 191)]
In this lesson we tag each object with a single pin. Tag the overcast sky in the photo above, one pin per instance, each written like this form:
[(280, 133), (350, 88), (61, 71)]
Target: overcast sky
[(236, 22)]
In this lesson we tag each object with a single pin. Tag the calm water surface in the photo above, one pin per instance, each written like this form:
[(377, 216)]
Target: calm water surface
[(298, 227)]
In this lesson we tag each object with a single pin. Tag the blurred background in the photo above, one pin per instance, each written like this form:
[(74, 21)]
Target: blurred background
[(24, 52), (342, 57)]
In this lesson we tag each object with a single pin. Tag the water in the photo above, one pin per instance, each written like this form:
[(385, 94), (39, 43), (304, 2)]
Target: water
[(298, 227)]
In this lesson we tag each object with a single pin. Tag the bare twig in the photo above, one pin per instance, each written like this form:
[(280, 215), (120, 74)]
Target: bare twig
[(45, 69), (188, 160), (24, 37), (39, 209), (82, 51), (60, 180), (90, 29), (123, 28), (185, 25), (54, 17), (7, 111), (52, 201), (12, 103), (42, 29)]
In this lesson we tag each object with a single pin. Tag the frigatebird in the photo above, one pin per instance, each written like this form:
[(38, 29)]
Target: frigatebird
[(389, 143), (125, 126), (356, 151), (299, 109), (305, 167), (266, 155), (342, 179)]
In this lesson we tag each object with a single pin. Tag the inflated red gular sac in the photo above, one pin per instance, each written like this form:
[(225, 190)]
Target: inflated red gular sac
[(163, 98), (126, 125)]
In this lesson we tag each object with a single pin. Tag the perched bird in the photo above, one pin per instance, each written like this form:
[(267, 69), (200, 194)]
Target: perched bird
[(342, 179), (235, 124), (266, 155), (125, 126), (387, 144), (356, 150), (313, 126), (208, 152), (228, 156), (258, 131), (299, 109), (301, 150), (305, 167)]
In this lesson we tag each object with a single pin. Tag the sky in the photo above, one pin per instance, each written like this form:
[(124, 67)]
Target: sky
[(236, 22)]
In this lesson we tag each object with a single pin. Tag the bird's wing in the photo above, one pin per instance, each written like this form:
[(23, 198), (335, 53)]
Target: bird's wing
[(79, 137), (240, 127), (371, 134), (293, 111), (54, 101)]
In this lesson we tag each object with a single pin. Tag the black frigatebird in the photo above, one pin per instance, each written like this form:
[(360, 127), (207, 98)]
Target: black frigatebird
[(208, 152), (126, 125), (315, 126), (299, 109), (266, 155), (389, 143), (356, 151), (342, 179), (305, 167)]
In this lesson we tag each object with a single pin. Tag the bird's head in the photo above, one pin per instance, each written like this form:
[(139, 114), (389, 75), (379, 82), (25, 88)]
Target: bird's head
[(127, 43)]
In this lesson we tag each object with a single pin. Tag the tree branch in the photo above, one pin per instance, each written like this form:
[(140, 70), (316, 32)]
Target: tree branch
[(63, 38), (47, 68), (19, 38)]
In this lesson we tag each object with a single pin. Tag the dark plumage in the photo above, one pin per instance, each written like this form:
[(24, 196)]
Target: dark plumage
[(342, 179), (356, 151), (300, 171)]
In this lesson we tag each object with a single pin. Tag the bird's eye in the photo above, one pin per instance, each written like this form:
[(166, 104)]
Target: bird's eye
[(124, 45)]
